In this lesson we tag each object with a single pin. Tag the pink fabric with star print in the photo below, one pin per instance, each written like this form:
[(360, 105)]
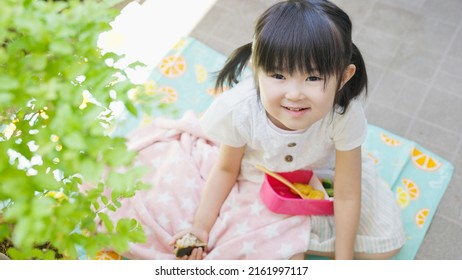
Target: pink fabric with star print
[(180, 157)]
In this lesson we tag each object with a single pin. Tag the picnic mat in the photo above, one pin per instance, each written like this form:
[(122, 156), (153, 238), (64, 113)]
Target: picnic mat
[(184, 81)]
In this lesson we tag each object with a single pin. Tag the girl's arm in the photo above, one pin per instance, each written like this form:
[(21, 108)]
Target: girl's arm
[(347, 202), (219, 183)]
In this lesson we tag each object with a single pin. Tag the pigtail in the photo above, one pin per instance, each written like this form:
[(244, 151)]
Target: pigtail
[(356, 84), (359, 80), (234, 66)]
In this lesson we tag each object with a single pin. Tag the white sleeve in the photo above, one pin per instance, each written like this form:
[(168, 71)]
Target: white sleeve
[(350, 129), (220, 122)]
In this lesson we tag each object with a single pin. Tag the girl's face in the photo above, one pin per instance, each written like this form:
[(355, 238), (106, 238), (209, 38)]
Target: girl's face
[(297, 101)]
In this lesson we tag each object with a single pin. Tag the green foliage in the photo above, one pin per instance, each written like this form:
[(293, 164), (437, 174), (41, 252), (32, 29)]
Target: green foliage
[(54, 138)]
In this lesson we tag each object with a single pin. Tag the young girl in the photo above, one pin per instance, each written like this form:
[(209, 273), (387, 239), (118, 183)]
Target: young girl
[(300, 109)]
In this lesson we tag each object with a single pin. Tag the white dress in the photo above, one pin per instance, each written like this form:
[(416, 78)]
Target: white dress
[(237, 118)]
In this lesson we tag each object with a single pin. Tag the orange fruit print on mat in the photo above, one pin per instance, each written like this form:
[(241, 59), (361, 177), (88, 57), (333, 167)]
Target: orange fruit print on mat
[(107, 255), (424, 161), (173, 66), (170, 94), (411, 188), (421, 216), (389, 141), (402, 197)]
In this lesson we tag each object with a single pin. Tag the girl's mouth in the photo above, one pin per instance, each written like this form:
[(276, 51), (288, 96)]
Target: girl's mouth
[(296, 109)]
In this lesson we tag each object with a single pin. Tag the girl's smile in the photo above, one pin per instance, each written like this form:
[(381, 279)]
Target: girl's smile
[(296, 111)]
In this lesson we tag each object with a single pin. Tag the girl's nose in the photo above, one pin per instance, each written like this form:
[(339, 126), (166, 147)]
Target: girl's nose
[(294, 92)]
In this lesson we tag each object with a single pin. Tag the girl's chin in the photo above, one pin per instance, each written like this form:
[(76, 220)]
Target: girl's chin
[(290, 124), (294, 126)]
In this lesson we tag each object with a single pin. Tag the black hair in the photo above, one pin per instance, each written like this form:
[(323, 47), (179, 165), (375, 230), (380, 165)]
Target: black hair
[(304, 36)]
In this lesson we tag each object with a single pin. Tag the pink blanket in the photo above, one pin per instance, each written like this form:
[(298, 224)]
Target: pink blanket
[(180, 157)]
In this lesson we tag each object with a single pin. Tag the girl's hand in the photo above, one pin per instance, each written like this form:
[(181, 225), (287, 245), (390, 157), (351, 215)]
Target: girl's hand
[(197, 253)]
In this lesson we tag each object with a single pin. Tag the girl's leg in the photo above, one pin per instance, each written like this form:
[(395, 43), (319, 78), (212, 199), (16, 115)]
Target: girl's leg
[(329, 255), (299, 256), (376, 256), (358, 256)]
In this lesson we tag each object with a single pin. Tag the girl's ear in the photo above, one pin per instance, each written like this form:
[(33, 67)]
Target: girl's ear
[(348, 74)]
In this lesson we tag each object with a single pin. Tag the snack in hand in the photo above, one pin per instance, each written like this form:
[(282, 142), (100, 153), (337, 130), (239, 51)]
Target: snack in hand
[(186, 244)]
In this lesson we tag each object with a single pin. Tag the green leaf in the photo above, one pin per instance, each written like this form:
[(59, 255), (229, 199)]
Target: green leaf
[(71, 250), (104, 200), (50, 89), (116, 182), (119, 156), (111, 207), (95, 205), (59, 123), (119, 243), (75, 69), (42, 207), (75, 140), (37, 254), (3, 54), (137, 235), (49, 255), (8, 83), (22, 234), (4, 231), (111, 3), (116, 203), (88, 223), (44, 45), (124, 226), (131, 108), (37, 62), (91, 170), (61, 47), (45, 181), (106, 221), (101, 187), (136, 64), (136, 232), (66, 210), (17, 210), (93, 193), (15, 254), (6, 97)]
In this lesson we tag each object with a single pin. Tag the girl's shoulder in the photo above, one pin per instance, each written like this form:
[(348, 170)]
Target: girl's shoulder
[(243, 92), (348, 130), (241, 101), (355, 110), (230, 117)]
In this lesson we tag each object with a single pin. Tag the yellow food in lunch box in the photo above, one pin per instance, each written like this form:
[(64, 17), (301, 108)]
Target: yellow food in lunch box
[(316, 194), (308, 191), (303, 188)]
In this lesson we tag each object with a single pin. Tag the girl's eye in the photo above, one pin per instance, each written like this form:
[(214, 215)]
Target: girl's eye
[(313, 79), (277, 76)]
